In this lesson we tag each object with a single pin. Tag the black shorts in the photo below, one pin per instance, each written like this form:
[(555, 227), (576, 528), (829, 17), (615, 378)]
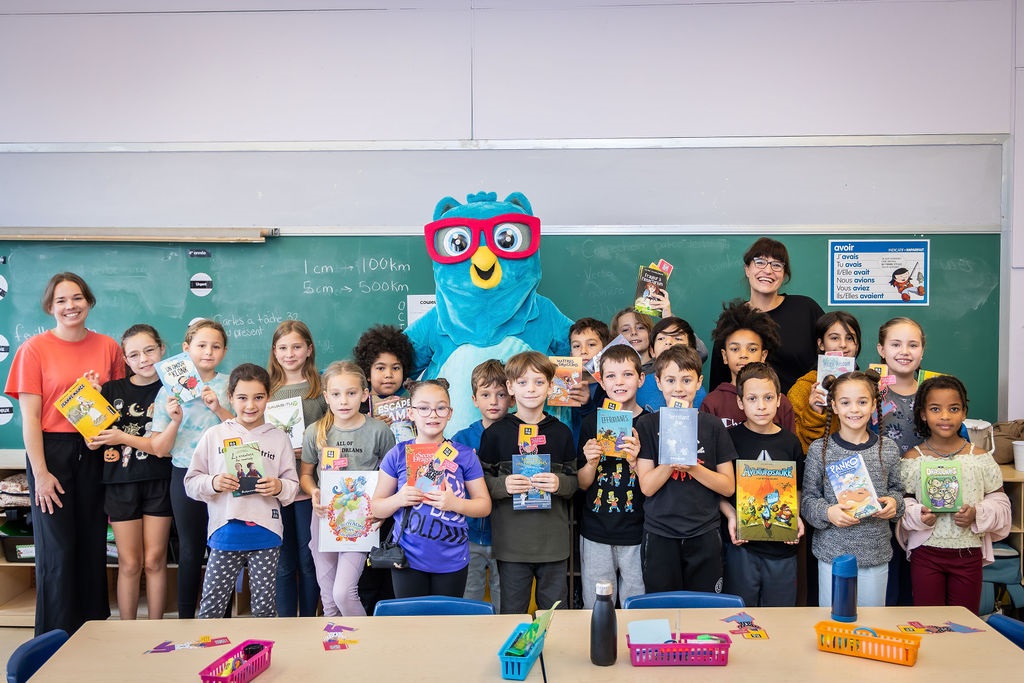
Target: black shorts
[(132, 500)]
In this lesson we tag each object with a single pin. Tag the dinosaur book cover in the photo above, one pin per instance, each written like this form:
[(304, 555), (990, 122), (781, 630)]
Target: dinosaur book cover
[(766, 500), (940, 485), (86, 409)]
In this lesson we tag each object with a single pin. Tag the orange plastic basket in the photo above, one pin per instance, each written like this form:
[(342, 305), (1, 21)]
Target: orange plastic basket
[(869, 643)]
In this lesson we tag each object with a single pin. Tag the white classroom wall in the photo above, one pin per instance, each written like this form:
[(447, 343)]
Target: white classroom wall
[(113, 116)]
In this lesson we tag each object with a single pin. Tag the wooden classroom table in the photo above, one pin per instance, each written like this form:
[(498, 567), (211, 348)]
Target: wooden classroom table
[(790, 653), (452, 649)]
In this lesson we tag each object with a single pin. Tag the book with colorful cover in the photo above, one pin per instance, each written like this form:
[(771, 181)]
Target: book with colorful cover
[(677, 438), (528, 465), (529, 439), (86, 409), (648, 283), (593, 366), (923, 374), (396, 409), (852, 484), (427, 463), (286, 415), (347, 525), (766, 500), (180, 376), (940, 485), (835, 365), (568, 374), (612, 427), (244, 461), (333, 459)]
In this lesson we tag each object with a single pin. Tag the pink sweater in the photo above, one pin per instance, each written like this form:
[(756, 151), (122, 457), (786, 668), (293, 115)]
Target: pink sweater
[(208, 461), (993, 521)]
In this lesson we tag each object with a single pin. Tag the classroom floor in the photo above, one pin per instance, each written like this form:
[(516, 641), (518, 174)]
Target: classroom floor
[(10, 639)]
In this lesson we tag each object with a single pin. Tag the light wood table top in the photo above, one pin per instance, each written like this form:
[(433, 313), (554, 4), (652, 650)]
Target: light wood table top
[(790, 653), (452, 649)]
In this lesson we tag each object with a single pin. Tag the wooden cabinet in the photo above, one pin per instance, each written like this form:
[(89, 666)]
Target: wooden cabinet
[(1013, 484)]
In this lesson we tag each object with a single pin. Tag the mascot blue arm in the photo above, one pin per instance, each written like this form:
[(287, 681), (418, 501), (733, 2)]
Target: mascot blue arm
[(486, 273)]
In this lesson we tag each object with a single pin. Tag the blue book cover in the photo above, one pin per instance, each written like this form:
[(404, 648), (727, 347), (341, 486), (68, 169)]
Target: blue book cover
[(612, 427), (677, 437), (852, 484), (180, 376), (529, 464)]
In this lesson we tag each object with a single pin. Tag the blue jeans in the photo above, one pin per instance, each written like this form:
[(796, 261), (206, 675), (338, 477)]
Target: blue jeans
[(297, 588)]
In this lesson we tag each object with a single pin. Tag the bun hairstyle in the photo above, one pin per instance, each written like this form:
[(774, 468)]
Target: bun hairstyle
[(831, 384), (412, 386), (920, 400)]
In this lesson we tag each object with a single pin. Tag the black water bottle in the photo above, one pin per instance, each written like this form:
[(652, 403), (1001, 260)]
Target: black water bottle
[(604, 634)]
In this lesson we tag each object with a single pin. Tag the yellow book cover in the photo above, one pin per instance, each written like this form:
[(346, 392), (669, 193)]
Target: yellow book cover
[(527, 434), (766, 500), (86, 409)]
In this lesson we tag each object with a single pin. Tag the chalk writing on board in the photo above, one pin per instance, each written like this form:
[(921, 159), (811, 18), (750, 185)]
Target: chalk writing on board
[(386, 264), (22, 333)]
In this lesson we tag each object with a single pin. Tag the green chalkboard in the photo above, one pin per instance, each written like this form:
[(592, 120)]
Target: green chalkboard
[(340, 285)]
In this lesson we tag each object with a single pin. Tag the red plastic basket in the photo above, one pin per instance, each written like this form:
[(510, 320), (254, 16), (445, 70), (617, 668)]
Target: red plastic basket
[(219, 671), (681, 653)]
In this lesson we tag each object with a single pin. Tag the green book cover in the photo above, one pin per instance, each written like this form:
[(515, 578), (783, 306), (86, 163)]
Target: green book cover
[(940, 485)]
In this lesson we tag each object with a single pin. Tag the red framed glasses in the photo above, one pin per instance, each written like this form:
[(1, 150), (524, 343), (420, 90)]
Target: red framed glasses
[(510, 235)]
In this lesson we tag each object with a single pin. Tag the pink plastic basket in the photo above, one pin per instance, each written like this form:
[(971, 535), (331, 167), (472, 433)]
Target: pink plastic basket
[(681, 653), (220, 672)]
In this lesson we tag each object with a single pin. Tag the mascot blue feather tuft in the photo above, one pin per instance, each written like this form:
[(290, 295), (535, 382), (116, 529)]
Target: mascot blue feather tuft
[(486, 274)]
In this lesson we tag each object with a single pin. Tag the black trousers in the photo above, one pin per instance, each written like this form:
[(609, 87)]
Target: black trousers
[(71, 551), (190, 520), (675, 564)]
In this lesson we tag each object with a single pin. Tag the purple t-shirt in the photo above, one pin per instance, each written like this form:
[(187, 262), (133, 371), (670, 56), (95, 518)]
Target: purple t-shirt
[(435, 541)]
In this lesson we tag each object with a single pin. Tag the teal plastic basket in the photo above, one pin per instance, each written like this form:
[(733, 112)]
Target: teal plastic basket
[(518, 668)]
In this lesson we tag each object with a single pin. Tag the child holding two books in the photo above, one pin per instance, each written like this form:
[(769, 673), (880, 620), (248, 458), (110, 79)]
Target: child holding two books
[(432, 530), (490, 396), (530, 544), (763, 573), (853, 398), (362, 443), (244, 529), (612, 522), (947, 549), (682, 544)]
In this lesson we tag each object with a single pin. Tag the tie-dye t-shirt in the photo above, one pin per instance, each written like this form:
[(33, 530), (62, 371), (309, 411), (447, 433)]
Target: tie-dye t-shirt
[(196, 418)]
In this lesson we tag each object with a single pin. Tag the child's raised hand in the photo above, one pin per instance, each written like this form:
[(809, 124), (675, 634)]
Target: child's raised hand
[(965, 516), (660, 301), (409, 496), (818, 398), (225, 483), (93, 378), (888, 510), (545, 481), (839, 515), (210, 399), (799, 532), (580, 392), (173, 408), (592, 452), (517, 483), (269, 486), (318, 509)]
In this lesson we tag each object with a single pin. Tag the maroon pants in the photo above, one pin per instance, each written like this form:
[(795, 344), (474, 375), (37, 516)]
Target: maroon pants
[(946, 576)]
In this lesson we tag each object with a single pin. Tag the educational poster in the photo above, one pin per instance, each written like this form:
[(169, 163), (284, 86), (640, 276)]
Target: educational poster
[(346, 527), (878, 272)]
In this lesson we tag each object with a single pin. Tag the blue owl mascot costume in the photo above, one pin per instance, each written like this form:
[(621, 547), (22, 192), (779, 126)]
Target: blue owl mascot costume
[(486, 272)]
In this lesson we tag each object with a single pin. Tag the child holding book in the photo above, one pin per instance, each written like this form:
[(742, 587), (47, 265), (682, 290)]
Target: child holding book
[(361, 443), (137, 483), (948, 548), (668, 332), (746, 335), (901, 348), (853, 398), (636, 328), (530, 544), (587, 336), (385, 355), (293, 374), (206, 343), (612, 522), (836, 332), (763, 573), (432, 531), (244, 530), (682, 545), (490, 396)]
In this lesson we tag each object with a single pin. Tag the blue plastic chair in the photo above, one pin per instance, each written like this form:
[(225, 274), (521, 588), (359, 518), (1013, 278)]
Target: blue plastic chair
[(682, 599), (430, 605), (29, 656), (1009, 627)]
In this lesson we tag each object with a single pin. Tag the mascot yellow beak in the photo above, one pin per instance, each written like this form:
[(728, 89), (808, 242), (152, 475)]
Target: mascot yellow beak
[(484, 269)]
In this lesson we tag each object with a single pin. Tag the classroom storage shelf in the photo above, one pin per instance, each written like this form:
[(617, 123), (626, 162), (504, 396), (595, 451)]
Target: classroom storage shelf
[(1013, 485)]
